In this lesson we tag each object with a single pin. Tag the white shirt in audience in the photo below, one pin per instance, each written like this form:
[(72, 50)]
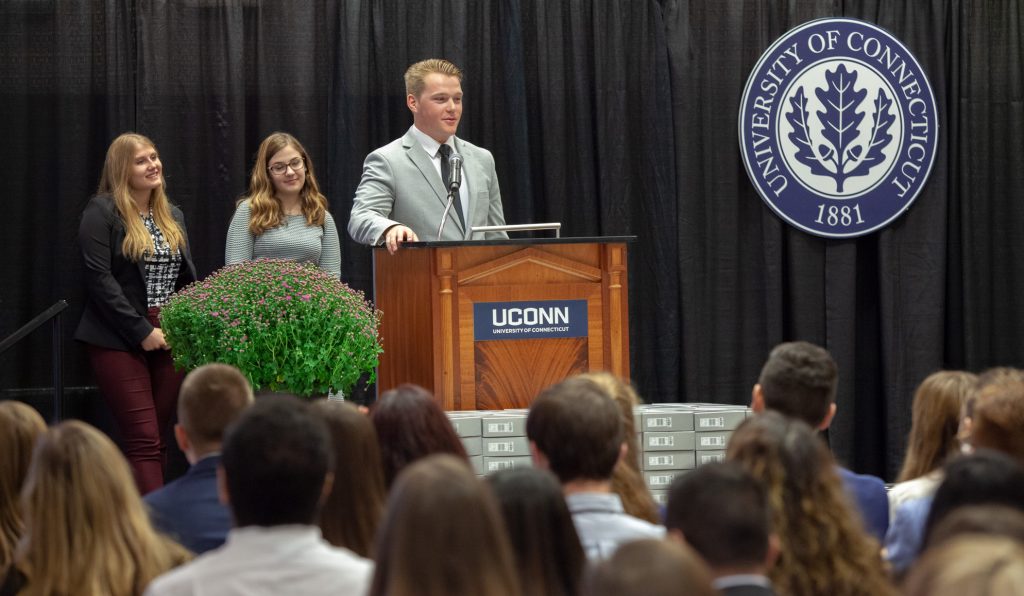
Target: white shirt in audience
[(603, 525), (255, 560)]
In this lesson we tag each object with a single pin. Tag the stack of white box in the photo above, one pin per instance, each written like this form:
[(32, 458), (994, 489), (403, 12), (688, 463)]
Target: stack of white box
[(468, 425), (495, 439), (676, 438)]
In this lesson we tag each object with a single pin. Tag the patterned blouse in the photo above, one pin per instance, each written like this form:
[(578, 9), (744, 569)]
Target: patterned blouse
[(161, 267)]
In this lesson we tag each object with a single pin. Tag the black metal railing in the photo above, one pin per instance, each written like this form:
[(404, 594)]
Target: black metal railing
[(51, 314)]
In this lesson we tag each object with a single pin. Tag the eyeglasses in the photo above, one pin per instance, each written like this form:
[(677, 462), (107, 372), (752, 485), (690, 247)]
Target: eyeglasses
[(297, 165)]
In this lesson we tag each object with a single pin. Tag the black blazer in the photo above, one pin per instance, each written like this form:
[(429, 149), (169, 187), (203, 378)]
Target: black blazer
[(115, 306)]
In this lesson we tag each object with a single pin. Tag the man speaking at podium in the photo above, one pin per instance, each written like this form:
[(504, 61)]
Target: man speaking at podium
[(406, 184)]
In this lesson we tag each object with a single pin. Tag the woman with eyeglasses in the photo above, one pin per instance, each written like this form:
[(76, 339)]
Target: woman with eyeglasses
[(284, 215), (136, 254)]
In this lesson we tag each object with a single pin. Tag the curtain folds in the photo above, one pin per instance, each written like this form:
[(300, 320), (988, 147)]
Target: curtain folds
[(612, 116)]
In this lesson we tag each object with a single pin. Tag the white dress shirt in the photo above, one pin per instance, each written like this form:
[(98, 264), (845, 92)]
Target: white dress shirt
[(431, 147), (256, 561)]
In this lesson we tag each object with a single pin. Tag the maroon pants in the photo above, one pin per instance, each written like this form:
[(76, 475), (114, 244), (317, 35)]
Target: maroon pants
[(141, 390)]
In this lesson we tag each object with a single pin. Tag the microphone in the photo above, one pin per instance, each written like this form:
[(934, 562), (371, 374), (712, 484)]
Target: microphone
[(454, 182), (455, 172)]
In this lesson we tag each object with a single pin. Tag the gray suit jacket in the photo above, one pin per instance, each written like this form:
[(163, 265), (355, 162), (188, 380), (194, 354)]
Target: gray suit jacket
[(401, 186)]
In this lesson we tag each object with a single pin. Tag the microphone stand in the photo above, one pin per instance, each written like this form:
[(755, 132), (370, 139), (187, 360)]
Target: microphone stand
[(444, 216)]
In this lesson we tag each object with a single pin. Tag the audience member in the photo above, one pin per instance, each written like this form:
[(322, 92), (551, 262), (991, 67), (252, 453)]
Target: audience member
[(935, 420), (799, 380), (353, 509), (992, 520), (823, 547), (410, 424), (627, 478), (985, 477), (998, 417), (547, 549), (722, 511), (969, 565), (86, 530), (274, 475), (189, 509), (442, 535), (575, 430), (20, 428), (650, 568), (995, 403)]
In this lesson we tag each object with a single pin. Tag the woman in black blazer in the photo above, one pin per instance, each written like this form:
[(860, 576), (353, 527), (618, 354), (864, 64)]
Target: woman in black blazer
[(136, 254)]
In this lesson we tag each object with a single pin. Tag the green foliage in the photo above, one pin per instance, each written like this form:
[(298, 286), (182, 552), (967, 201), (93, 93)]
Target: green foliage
[(287, 326)]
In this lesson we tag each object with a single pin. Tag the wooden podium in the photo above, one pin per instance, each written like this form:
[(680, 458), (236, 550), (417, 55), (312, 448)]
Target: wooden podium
[(428, 293)]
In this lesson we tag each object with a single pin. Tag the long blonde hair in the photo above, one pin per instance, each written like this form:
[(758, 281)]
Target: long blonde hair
[(114, 181), (20, 427), (86, 530), (938, 402), (824, 547), (265, 211)]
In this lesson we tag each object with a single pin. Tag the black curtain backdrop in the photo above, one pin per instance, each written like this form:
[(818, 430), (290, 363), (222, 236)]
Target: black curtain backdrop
[(612, 116)]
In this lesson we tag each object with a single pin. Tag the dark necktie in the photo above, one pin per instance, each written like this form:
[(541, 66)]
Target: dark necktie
[(446, 175)]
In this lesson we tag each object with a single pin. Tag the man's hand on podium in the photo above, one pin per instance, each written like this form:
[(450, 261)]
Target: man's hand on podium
[(396, 235)]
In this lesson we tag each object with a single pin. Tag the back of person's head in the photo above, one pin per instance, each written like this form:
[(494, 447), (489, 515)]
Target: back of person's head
[(577, 428), (442, 534), (548, 553), (650, 568), (353, 508), (995, 376), (20, 428), (276, 458), (416, 74), (993, 520), (799, 380), (86, 530), (969, 565), (722, 511), (411, 425), (998, 420), (823, 544), (211, 398), (627, 479), (984, 477), (935, 420), (627, 399)]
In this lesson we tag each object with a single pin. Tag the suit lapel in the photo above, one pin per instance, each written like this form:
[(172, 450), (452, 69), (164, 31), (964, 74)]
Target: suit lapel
[(425, 165), (474, 173)]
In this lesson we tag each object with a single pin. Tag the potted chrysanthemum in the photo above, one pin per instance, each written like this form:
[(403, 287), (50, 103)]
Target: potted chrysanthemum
[(287, 326)]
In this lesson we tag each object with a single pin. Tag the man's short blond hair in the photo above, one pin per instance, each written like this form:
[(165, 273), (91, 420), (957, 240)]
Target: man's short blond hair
[(211, 398), (415, 76)]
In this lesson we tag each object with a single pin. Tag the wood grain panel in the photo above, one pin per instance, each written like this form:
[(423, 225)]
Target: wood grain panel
[(509, 374), (427, 294), (402, 292)]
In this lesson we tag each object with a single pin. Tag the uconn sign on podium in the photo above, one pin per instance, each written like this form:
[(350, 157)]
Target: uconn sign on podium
[(529, 319)]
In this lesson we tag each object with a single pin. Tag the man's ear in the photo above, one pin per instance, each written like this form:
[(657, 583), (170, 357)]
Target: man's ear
[(182, 438), (757, 399), (827, 420), (539, 459), (222, 487), (411, 103)]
